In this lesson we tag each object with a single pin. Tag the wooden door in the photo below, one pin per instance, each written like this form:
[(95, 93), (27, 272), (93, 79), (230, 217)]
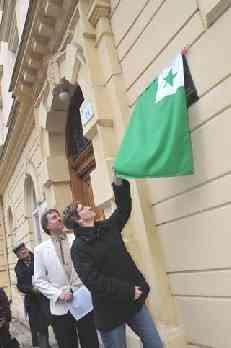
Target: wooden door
[(80, 154), (80, 179)]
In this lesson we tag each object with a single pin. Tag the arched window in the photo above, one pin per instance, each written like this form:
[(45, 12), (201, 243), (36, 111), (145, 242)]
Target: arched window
[(32, 210)]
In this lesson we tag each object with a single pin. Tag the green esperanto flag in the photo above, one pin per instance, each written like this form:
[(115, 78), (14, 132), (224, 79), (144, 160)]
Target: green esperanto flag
[(157, 142)]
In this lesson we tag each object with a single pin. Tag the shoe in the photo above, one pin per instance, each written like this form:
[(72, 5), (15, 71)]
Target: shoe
[(14, 343)]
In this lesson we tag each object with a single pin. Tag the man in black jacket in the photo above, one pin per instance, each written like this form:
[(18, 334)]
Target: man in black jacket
[(36, 305), (118, 288)]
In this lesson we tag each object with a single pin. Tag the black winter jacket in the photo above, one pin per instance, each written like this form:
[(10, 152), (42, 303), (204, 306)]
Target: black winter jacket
[(24, 276), (36, 305), (104, 265)]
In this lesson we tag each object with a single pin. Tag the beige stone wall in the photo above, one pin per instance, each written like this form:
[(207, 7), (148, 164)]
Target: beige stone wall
[(192, 213), (30, 162), (4, 275)]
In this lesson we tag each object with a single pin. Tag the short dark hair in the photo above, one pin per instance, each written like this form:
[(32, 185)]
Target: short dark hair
[(70, 214), (44, 219)]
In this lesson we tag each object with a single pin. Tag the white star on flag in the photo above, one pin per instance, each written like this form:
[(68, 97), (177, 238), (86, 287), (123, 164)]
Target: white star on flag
[(165, 89)]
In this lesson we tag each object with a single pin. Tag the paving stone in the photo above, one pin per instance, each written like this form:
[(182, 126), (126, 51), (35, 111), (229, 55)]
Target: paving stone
[(21, 331)]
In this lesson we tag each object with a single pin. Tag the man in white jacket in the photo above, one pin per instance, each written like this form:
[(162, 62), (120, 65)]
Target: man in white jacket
[(55, 277)]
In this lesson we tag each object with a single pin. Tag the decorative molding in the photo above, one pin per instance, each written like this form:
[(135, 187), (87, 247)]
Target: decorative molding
[(25, 89), (103, 29), (52, 10), (74, 59), (1, 71), (39, 47), (212, 10), (38, 43), (13, 38), (91, 128), (33, 63), (29, 75), (89, 36), (53, 73), (79, 52), (73, 56), (17, 137), (57, 109), (105, 122), (99, 8), (19, 63), (8, 10), (43, 31), (85, 163), (66, 40), (1, 5)]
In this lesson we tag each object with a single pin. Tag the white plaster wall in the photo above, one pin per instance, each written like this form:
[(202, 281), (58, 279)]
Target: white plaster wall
[(14, 196)]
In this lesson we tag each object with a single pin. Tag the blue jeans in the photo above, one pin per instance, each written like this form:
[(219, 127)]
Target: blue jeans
[(142, 324)]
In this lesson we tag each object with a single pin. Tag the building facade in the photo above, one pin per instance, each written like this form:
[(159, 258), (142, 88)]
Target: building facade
[(54, 54)]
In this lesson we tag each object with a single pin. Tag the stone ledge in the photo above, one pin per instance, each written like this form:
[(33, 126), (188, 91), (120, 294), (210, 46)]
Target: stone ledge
[(99, 8), (20, 330), (211, 10)]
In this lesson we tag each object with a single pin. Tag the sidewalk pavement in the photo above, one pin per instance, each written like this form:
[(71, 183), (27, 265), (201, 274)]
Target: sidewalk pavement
[(23, 335)]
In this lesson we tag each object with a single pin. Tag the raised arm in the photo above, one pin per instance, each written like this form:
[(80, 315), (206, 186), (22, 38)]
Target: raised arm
[(121, 189)]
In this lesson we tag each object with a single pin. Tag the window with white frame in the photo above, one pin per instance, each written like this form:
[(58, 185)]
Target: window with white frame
[(11, 229), (33, 210), (36, 218)]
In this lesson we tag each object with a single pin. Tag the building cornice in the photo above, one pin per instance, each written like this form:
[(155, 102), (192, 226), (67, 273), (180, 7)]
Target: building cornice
[(24, 37), (18, 134), (42, 36), (8, 7), (46, 22), (98, 9)]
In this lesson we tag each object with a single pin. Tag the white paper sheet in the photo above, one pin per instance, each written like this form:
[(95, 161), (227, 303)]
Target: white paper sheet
[(81, 303)]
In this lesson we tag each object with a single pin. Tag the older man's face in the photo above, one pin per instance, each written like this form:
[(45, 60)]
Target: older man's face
[(23, 253), (55, 224)]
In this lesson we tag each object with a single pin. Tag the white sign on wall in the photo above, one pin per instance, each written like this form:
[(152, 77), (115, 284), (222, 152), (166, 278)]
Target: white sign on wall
[(86, 112)]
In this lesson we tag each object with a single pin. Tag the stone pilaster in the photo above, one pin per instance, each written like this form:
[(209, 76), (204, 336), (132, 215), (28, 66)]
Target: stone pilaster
[(100, 127), (140, 236)]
